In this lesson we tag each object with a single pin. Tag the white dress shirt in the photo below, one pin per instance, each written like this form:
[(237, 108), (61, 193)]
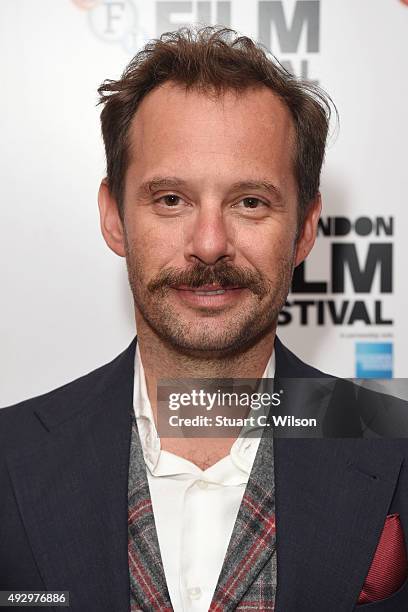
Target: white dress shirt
[(194, 509)]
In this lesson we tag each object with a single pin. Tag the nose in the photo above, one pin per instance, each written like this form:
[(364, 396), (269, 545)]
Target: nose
[(209, 237)]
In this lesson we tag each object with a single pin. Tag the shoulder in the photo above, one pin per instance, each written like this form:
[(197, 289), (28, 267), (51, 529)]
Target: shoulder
[(23, 421), (353, 409)]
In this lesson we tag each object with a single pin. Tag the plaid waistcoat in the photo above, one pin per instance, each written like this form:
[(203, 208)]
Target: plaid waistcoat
[(248, 576)]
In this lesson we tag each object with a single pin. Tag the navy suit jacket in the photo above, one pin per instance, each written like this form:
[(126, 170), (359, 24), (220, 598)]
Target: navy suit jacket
[(64, 459)]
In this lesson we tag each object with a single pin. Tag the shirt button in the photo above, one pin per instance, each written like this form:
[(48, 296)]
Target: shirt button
[(194, 593), (202, 484)]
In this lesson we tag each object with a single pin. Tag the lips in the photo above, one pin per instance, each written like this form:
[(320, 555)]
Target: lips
[(212, 289), (210, 297)]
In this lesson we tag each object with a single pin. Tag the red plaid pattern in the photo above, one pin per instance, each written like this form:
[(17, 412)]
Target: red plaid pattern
[(248, 576), (148, 588)]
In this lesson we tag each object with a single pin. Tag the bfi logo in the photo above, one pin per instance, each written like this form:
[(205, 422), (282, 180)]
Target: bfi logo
[(288, 28)]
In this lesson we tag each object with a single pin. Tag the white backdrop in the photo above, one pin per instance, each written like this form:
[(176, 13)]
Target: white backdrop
[(65, 304)]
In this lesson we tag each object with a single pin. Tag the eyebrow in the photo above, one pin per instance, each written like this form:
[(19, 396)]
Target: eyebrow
[(160, 182), (272, 189), (168, 182)]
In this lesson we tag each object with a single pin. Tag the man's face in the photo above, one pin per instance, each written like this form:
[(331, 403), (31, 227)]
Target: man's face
[(210, 216)]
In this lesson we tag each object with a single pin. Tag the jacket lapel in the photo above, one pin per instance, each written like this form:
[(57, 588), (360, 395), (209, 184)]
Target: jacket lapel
[(72, 488), (325, 537), (332, 497)]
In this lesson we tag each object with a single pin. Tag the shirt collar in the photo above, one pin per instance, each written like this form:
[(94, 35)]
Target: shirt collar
[(243, 450)]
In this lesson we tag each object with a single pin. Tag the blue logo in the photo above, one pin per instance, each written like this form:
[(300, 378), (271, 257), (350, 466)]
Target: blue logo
[(374, 360)]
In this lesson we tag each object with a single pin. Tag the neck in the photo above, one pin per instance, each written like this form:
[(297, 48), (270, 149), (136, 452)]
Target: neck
[(161, 360)]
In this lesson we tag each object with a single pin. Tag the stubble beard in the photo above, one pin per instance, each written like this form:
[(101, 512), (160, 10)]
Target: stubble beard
[(243, 326)]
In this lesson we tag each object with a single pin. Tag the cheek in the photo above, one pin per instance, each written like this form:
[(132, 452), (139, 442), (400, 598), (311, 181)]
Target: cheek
[(154, 244), (263, 245)]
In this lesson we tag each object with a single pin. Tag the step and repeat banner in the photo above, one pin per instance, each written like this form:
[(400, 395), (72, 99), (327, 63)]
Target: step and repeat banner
[(66, 307)]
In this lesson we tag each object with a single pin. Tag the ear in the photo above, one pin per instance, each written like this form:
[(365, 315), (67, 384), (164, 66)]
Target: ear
[(111, 224), (308, 231)]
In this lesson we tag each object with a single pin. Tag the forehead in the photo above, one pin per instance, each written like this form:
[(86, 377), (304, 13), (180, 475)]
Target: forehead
[(253, 125)]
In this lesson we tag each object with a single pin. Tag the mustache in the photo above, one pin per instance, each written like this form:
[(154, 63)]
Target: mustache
[(223, 274)]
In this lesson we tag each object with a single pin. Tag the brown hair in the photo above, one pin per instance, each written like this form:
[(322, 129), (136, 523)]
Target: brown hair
[(213, 59)]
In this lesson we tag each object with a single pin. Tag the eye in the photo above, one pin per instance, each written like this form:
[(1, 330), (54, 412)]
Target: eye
[(170, 200), (252, 203)]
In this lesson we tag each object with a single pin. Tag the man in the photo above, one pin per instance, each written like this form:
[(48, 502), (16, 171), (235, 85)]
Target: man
[(212, 195)]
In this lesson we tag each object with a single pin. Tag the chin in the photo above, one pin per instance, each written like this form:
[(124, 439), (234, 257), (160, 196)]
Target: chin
[(215, 336), (211, 345)]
